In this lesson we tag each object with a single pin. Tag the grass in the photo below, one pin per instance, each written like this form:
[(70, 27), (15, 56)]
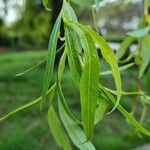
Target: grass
[(29, 130)]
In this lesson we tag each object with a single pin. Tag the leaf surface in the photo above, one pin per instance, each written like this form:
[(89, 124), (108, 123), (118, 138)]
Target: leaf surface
[(145, 55), (57, 130), (51, 56), (140, 32), (74, 131)]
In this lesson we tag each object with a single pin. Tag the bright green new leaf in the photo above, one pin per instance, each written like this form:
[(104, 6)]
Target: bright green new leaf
[(140, 32), (73, 59), (145, 55), (57, 130), (123, 47), (110, 58), (51, 56), (100, 110), (74, 131), (127, 115), (89, 81)]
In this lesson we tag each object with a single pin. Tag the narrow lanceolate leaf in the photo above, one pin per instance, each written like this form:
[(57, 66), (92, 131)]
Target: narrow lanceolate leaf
[(127, 115), (57, 130), (74, 131), (45, 3), (89, 81), (145, 55), (61, 66), (73, 59), (100, 110), (140, 32), (123, 47), (51, 56), (120, 69), (110, 58), (69, 14), (64, 104)]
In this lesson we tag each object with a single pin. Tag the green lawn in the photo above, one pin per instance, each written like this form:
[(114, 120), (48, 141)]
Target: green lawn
[(29, 130)]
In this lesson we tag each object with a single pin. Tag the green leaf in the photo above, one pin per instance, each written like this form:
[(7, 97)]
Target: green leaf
[(140, 32), (127, 115), (123, 47), (74, 63), (26, 71), (145, 55), (89, 81), (57, 130), (120, 69), (100, 110), (45, 3), (51, 56), (61, 66), (64, 104), (110, 58), (74, 131), (69, 14)]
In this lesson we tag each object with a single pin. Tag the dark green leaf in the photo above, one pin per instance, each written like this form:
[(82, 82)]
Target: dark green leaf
[(51, 56), (74, 131)]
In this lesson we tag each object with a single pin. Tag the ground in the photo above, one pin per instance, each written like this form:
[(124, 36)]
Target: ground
[(29, 130)]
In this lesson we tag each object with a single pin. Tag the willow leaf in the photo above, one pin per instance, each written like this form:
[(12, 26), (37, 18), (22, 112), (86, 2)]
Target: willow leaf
[(61, 66), (64, 104), (145, 55), (123, 47), (110, 58), (120, 69), (89, 81), (127, 115), (74, 131), (26, 71), (57, 130), (73, 59), (140, 32), (100, 110), (45, 3), (69, 14), (51, 56)]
